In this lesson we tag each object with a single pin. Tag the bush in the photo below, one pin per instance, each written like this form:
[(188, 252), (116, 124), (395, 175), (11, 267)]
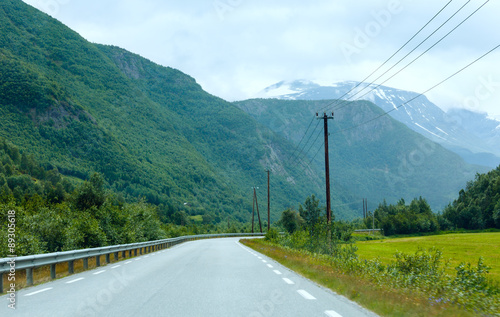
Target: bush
[(272, 235)]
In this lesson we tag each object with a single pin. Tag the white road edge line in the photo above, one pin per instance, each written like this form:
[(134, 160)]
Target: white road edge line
[(264, 261), (288, 281), (270, 266), (277, 272), (75, 280), (331, 313), (116, 266), (305, 294), (97, 273), (42, 290), (128, 262)]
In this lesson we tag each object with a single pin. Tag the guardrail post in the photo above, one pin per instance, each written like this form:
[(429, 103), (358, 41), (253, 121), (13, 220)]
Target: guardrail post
[(53, 271), (124, 254), (98, 260), (135, 252), (116, 256), (29, 277), (71, 267), (86, 263), (108, 258), (1, 283)]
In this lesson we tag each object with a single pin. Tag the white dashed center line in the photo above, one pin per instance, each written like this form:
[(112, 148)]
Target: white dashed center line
[(40, 291), (331, 313), (116, 266), (305, 294), (97, 273), (76, 280), (288, 281), (277, 272)]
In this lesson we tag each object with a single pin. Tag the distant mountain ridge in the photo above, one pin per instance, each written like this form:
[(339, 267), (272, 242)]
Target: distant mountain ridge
[(474, 136)]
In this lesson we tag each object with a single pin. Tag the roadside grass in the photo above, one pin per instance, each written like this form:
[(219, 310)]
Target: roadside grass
[(457, 248), (382, 300)]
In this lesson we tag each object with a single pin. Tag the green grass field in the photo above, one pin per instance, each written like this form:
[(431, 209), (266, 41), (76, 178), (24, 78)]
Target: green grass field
[(456, 248)]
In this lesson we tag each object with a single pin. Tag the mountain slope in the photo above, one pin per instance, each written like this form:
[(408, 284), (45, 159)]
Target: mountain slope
[(379, 160), (151, 130), (454, 130)]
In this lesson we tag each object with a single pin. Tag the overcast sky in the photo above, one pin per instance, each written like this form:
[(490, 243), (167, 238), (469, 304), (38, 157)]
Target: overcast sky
[(236, 48)]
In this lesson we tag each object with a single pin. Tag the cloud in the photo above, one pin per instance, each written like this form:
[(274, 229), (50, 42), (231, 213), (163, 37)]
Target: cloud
[(235, 48)]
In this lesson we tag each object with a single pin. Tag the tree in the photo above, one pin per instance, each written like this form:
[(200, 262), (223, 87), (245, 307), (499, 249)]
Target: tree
[(180, 218), (290, 220), (310, 212), (91, 193)]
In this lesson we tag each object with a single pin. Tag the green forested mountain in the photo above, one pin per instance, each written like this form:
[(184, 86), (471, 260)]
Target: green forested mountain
[(379, 160), (150, 130)]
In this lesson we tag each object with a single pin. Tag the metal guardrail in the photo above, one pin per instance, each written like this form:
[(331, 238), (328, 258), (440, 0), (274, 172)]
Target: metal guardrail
[(29, 262), (369, 230)]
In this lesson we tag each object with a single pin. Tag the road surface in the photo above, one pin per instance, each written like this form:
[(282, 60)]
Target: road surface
[(216, 277)]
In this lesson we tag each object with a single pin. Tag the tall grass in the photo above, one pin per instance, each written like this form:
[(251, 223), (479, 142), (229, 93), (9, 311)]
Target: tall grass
[(422, 275)]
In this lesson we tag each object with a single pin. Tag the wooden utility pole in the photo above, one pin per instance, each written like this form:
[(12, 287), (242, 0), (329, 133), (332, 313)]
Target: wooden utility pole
[(257, 204), (253, 207), (325, 118), (268, 203)]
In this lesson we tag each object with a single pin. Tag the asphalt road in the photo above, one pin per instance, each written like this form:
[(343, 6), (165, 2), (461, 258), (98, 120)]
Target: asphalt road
[(217, 277)]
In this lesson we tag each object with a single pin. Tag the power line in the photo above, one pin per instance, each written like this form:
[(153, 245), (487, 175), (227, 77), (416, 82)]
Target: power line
[(317, 152), (300, 152), (408, 54), (307, 165), (418, 57), (421, 94), (298, 145), (296, 154), (394, 54)]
